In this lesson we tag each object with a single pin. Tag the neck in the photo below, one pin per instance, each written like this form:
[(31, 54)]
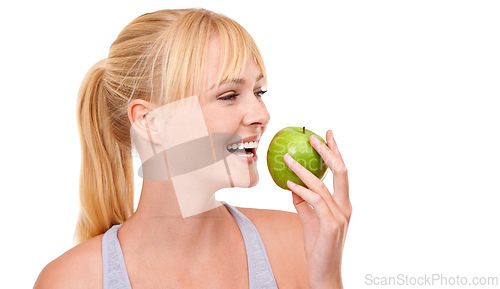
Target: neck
[(179, 217), (176, 202)]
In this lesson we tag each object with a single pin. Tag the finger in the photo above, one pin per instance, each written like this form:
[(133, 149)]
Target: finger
[(303, 208), (316, 201), (330, 154), (332, 144), (309, 179), (340, 178), (306, 212), (331, 159)]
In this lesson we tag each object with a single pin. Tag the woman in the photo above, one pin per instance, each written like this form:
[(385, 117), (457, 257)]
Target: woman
[(183, 87)]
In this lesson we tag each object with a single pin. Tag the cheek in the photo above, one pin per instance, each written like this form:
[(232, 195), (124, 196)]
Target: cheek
[(221, 121), (225, 124)]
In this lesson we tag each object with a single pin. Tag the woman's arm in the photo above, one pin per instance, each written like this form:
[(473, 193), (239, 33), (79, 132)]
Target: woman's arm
[(325, 224)]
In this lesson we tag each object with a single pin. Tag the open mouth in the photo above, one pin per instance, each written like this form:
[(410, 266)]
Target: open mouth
[(247, 149)]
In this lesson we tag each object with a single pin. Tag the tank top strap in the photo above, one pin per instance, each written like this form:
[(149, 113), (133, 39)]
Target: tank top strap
[(114, 271), (260, 273)]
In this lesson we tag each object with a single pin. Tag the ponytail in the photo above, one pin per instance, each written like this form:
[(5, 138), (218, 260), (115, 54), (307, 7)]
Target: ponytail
[(106, 176)]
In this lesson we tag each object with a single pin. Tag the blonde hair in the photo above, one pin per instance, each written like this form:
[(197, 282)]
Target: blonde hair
[(158, 57)]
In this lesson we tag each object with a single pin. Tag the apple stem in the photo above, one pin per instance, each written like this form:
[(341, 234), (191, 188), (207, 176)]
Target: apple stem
[(304, 130)]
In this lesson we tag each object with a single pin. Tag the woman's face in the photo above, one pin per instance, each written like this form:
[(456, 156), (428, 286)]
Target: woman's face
[(211, 138), (235, 109)]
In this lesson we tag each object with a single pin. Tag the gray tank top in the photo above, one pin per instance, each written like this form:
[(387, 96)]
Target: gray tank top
[(260, 274)]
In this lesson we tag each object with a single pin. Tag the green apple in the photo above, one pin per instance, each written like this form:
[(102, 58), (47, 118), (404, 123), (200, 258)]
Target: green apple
[(295, 142)]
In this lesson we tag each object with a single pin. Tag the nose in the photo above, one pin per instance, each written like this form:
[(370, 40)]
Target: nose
[(256, 113)]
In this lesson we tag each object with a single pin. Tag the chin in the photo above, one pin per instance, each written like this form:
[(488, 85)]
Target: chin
[(247, 181), (254, 181), (242, 174)]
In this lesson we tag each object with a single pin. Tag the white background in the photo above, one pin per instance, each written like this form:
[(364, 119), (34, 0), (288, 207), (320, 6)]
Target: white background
[(409, 88)]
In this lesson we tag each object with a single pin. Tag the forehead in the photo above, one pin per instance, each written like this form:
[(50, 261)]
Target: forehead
[(236, 65), (213, 61)]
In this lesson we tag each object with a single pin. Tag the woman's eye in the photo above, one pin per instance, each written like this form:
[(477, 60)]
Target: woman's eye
[(228, 97), (260, 92)]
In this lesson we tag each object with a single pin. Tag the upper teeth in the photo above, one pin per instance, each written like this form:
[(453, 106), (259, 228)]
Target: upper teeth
[(246, 145)]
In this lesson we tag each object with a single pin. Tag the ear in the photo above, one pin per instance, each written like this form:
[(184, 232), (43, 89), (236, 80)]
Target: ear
[(143, 120)]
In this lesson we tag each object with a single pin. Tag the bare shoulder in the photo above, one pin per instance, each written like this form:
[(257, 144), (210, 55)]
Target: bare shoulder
[(275, 223), (79, 267), (281, 232)]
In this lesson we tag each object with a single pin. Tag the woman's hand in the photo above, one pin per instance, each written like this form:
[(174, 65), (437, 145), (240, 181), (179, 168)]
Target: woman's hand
[(325, 224)]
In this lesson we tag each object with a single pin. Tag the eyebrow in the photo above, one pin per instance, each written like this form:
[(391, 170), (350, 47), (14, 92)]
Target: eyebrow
[(238, 80)]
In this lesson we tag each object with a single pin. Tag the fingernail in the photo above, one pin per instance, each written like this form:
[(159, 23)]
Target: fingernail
[(315, 138), (290, 183), (288, 157)]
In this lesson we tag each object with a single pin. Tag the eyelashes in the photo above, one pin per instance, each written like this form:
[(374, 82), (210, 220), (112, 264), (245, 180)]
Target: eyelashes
[(260, 92), (228, 97), (233, 96)]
